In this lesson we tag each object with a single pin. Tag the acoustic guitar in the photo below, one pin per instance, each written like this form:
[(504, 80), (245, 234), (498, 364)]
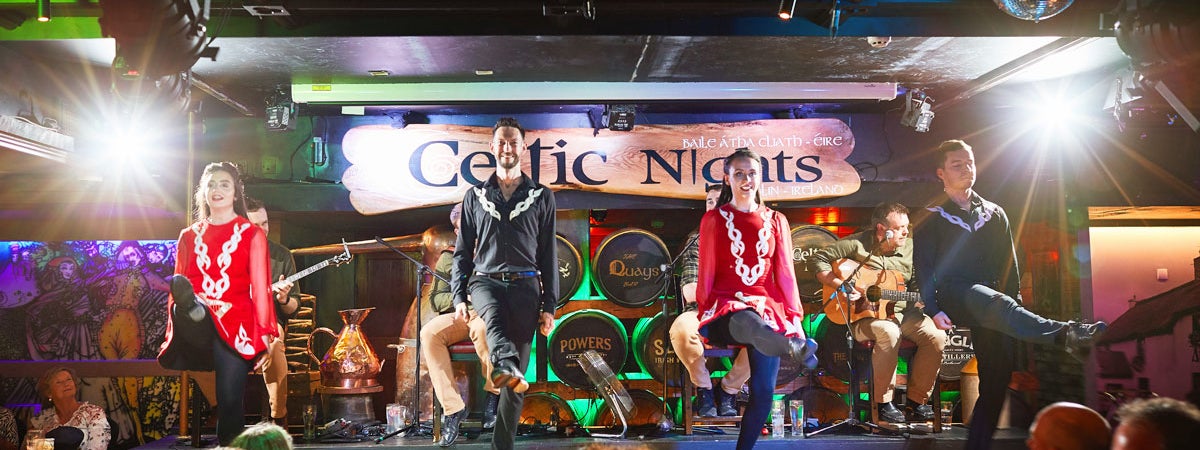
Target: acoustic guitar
[(884, 293)]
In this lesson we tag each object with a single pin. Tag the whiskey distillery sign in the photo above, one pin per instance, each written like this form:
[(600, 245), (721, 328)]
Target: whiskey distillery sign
[(423, 165)]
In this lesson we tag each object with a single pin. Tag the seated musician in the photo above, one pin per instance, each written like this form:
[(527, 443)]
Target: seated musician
[(445, 330), (887, 251), (685, 337)]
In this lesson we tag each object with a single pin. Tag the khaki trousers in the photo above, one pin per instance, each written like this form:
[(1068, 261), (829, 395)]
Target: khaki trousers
[(437, 336), (923, 370), (275, 372), (685, 339)]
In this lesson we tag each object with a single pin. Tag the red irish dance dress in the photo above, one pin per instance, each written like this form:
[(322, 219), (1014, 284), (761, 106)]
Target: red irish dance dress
[(746, 263), (221, 261)]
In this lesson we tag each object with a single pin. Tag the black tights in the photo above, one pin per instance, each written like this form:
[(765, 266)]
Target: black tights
[(746, 328), (231, 371), (231, 387)]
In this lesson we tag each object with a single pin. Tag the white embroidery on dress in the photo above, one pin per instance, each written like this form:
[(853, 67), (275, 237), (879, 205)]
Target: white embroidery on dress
[(793, 327), (214, 290), (749, 275), (759, 304), (487, 205), (524, 204), (242, 342)]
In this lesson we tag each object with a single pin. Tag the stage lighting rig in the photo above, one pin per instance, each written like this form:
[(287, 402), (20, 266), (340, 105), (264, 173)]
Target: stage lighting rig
[(281, 112), (918, 112), (621, 117)]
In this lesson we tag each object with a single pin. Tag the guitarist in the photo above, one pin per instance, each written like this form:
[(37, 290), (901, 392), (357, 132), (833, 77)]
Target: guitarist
[(287, 301), (886, 247)]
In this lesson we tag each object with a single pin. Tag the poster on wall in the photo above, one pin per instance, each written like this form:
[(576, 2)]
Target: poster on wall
[(87, 301), (425, 165)]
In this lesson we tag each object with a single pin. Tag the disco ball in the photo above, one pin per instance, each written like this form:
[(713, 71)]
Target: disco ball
[(1034, 10)]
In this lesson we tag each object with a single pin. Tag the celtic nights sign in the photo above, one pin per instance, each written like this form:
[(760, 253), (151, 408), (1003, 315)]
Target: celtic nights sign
[(425, 165)]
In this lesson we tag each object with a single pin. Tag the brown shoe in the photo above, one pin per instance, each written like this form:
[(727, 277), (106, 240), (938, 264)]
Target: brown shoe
[(507, 376)]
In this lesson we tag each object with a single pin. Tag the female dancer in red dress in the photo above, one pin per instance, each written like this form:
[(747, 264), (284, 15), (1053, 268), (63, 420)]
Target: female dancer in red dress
[(227, 320), (746, 287)]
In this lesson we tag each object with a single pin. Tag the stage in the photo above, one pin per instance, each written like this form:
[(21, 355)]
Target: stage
[(953, 438)]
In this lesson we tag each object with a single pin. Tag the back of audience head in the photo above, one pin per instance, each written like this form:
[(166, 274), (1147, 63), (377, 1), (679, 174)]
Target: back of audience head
[(1068, 426), (263, 436), (1157, 423)]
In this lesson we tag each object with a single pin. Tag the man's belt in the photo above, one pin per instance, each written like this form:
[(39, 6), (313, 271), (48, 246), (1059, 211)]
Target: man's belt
[(509, 276)]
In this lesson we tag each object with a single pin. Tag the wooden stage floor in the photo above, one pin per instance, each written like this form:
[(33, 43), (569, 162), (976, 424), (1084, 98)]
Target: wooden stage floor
[(954, 438)]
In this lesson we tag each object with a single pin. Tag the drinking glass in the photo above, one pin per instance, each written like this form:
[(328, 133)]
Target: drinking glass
[(947, 414)]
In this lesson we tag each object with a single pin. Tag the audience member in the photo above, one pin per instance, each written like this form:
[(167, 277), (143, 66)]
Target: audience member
[(60, 386), (1157, 423), (263, 436), (1068, 426)]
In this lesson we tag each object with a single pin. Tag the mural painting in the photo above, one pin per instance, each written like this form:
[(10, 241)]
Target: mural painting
[(90, 300)]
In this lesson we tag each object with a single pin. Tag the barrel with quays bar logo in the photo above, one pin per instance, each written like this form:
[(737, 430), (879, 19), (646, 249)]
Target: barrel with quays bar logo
[(627, 267)]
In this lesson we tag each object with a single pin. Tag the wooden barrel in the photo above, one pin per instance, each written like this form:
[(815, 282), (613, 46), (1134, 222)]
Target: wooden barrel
[(806, 240), (627, 267), (647, 410), (652, 348), (822, 404), (545, 408), (789, 370), (584, 330), (832, 353), (570, 269), (959, 349)]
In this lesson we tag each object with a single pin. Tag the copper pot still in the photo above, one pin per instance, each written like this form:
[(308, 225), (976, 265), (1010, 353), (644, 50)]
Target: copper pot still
[(351, 362)]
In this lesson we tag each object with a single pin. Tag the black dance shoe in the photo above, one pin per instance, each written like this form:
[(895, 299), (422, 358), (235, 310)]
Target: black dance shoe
[(489, 411), (1080, 336), (185, 299), (505, 375), (803, 351)]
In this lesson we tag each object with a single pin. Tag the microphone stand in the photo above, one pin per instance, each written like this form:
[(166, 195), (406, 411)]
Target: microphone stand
[(846, 288), (666, 276), (422, 269)]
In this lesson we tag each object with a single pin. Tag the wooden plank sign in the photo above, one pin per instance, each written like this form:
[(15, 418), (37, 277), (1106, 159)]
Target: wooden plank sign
[(425, 165)]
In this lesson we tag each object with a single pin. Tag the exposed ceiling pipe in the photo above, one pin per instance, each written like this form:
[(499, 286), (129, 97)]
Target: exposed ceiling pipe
[(1012, 68), (222, 97)]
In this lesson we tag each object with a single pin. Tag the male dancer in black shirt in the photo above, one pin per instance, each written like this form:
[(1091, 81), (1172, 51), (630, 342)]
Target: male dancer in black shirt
[(505, 259), (966, 264)]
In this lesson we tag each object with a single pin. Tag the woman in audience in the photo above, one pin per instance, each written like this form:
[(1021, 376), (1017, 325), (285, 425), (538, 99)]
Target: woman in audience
[(67, 418)]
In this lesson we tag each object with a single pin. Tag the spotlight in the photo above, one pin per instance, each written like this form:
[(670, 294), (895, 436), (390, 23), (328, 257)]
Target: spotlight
[(621, 117), (787, 9), (43, 10), (281, 112), (918, 113)]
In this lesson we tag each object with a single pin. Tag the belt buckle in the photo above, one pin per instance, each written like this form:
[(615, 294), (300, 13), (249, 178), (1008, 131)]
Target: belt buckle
[(506, 277)]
